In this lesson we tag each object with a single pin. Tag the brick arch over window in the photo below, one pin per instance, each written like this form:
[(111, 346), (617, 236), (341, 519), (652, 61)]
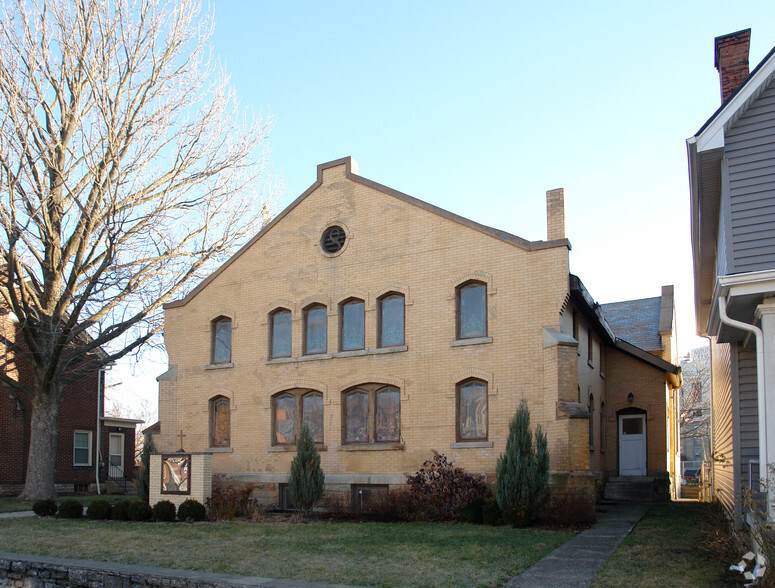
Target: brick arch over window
[(220, 421), (473, 276)]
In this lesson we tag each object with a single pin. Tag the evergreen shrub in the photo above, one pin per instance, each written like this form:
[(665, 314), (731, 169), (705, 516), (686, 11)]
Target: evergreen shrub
[(491, 512), (192, 509), (522, 472), (307, 480), (45, 508), (142, 482), (70, 508), (139, 510), (99, 510), (163, 511), (119, 510)]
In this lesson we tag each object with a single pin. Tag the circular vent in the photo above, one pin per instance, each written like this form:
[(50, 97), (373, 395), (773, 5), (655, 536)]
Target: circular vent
[(333, 239)]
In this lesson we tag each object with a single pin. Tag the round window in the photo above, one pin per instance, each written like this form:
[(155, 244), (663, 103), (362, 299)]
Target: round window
[(333, 239)]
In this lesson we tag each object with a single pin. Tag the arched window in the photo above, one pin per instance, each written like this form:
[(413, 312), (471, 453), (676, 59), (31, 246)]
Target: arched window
[(371, 414), (591, 407), (280, 333), (315, 329), (293, 408), (351, 325), (472, 410), (471, 310), (220, 340), (390, 320), (220, 425)]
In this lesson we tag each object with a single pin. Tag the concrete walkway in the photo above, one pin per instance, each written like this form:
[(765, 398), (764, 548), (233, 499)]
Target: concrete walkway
[(575, 563), (17, 514)]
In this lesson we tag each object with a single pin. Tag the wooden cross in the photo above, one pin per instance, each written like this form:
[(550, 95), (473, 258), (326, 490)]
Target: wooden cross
[(181, 435)]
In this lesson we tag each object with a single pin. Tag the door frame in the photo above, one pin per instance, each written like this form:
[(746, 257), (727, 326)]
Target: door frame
[(122, 473)]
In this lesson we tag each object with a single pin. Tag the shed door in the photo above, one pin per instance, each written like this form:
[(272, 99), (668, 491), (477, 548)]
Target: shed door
[(632, 445)]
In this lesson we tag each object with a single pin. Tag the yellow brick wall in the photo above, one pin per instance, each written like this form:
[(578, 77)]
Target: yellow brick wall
[(392, 245)]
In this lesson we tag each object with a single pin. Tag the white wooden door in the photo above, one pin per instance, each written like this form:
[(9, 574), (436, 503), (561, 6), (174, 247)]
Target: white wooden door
[(632, 445), (116, 455)]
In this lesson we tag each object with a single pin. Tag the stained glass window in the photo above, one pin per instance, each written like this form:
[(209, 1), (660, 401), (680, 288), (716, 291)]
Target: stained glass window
[(285, 420), (388, 415), (281, 333), (357, 417), (219, 422), (312, 413), (391, 320), (472, 310), (352, 325), (315, 330), (221, 352), (472, 410)]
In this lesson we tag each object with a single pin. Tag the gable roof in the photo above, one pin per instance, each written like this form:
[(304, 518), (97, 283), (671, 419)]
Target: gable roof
[(636, 321), (349, 164)]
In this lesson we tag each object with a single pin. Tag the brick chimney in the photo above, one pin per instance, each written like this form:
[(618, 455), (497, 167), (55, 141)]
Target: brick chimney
[(732, 61), (555, 214)]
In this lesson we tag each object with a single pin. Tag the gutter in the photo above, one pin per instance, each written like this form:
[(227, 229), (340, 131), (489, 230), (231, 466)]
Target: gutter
[(760, 382)]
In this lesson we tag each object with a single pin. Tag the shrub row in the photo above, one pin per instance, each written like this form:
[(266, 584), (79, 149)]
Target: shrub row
[(122, 510)]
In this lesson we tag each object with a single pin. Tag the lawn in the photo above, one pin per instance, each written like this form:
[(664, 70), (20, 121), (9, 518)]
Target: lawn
[(375, 554), (12, 504), (667, 548)]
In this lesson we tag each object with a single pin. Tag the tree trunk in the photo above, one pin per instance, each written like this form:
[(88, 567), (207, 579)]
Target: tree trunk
[(44, 432)]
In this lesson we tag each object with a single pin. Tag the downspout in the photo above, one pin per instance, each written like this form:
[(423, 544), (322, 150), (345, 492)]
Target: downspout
[(761, 396), (100, 392)]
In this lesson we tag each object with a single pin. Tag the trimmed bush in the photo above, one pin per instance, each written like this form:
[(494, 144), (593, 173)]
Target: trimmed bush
[(522, 472), (163, 511), (45, 508), (439, 490), (139, 510), (119, 510), (70, 508), (99, 510), (473, 512), (192, 509), (307, 479)]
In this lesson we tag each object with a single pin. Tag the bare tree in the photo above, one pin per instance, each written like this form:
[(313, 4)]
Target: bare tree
[(694, 415), (126, 171)]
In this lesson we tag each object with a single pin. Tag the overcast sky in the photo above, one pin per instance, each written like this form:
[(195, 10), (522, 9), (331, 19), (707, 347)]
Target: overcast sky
[(479, 108)]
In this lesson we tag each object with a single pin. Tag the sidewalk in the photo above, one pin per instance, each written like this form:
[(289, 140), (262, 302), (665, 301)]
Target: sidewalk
[(19, 513), (575, 563)]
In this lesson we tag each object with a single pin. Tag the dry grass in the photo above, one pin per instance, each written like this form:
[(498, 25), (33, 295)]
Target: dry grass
[(670, 547), (376, 554)]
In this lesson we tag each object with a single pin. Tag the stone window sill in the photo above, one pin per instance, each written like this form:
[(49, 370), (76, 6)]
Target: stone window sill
[(473, 341), (219, 366), (341, 354), (372, 447), (471, 444), (289, 448), (220, 450)]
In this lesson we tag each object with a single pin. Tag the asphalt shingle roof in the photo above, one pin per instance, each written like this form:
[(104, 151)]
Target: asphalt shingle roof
[(636, 321)]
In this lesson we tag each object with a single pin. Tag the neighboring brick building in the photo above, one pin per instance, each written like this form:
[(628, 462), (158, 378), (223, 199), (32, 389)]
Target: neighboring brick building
[(393, 328), (80, 411)]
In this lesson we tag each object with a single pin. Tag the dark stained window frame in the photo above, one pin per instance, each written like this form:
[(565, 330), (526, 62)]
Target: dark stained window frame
[(298, 395), (459, 319), (215, 325), (372, 390), (459, 413), (381, 318)]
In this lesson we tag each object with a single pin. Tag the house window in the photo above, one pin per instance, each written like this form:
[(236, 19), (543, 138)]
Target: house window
[(472, 411), (372, 414), (280, 336), (602, 361), (315, 330), (390, 320), (82, 448), (293, 408), (472, 310), (590, 347), (351, 325), (591, 407), (575, 328), (221, 340), (220, 427), (602, 425)]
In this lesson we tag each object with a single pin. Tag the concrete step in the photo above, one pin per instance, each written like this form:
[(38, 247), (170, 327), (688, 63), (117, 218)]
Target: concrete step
[(629, 490)]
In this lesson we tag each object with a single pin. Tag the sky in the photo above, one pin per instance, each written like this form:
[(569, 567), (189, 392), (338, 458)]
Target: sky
[(480, 108)]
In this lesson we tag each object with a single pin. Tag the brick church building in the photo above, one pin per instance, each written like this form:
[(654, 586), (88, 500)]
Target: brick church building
[(393, 328)]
